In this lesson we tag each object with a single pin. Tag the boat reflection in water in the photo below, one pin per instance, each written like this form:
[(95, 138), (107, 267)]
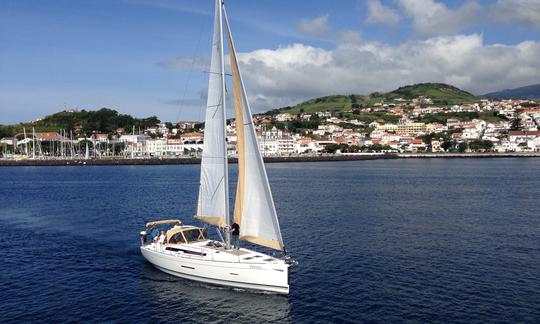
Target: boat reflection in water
[(201, 302)]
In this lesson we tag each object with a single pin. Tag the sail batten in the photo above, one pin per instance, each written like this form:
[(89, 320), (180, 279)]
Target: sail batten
[(254, 211), (212, 206)]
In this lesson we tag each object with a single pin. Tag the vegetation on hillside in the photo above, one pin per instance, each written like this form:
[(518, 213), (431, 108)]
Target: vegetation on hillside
[(298, 125), (441, 118), (83, 122), (440, 94)]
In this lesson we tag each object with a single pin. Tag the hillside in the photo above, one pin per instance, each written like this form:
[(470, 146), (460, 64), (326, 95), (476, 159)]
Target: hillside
[(334, 103), (106, 120), (528, 92), (441, 94)]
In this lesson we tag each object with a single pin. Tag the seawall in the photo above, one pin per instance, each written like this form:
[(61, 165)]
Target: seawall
[(469, 155), (273, 159), (172, 161)]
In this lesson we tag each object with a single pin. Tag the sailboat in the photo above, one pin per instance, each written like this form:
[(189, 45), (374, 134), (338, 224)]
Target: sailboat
[(186, 251)]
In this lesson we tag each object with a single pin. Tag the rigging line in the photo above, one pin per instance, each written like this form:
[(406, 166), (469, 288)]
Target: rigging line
[(219, 104), (218, 73), (217, 187), (197, 46), (202, 97)]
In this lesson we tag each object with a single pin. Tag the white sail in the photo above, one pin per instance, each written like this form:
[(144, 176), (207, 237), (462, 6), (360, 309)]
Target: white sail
[(254, 207), (212, 205)]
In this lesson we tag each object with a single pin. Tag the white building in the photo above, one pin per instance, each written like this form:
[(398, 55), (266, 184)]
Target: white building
[(275, 142), (156, 147), (135, 145)]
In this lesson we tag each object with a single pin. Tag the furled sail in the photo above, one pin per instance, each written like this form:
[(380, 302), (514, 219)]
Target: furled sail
[(212, 206), (254, 206)]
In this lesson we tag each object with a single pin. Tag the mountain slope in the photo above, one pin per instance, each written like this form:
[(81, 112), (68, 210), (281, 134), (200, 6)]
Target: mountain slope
[(528, 92), (441, 94)]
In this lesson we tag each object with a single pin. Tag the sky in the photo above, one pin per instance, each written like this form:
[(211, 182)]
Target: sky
[(149, 57)]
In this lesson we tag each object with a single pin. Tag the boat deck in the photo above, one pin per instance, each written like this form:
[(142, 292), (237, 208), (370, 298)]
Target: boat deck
[(201, 250)]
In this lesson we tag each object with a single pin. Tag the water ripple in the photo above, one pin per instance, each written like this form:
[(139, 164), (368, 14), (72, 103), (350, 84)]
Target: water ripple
[(377, 241)]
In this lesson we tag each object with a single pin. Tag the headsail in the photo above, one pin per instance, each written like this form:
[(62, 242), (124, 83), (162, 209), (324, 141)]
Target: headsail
[(254, 207), (212, 205)]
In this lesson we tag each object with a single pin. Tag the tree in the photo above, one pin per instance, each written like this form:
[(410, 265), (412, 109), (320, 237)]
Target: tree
[(481, 145), (515, 124), (331, 148), (462, 147), (447, 145), (488, 145)]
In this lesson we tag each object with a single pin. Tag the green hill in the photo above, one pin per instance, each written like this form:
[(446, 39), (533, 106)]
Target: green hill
[(440, 94), (84, 122)]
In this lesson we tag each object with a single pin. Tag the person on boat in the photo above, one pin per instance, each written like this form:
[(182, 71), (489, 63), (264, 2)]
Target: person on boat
[(162, 237), (154, 232), (235, 238)]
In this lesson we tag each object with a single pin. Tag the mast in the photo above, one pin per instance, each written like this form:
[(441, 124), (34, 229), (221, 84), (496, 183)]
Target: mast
[(213, 205), (71, 142), (25, 142), (33, 143), (224, 103)]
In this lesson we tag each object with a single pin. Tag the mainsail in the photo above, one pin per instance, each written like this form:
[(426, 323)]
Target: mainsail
[(212, 205), (254, 206)]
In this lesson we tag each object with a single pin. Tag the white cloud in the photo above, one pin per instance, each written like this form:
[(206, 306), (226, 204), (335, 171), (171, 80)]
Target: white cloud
[(352, 37), (525, 12), (288, 75), (432, 18), (317, 27), (381, 14)]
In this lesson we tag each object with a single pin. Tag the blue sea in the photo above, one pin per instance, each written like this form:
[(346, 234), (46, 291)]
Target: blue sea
[(419, 241)]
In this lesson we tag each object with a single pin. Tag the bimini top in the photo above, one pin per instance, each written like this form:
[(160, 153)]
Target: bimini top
[(185, 234), (161, 222)]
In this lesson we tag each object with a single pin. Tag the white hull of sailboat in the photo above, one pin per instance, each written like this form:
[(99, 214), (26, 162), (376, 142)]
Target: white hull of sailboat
[(263, 276)]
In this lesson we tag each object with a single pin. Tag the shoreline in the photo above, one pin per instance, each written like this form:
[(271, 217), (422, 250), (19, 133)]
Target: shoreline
[(175, 161), (469, 155), (273, 159)]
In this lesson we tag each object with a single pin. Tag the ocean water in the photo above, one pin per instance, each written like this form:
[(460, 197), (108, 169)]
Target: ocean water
[(441, 240)]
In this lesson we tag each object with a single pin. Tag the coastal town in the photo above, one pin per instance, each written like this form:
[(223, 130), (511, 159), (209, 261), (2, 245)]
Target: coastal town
[(402, 126)]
